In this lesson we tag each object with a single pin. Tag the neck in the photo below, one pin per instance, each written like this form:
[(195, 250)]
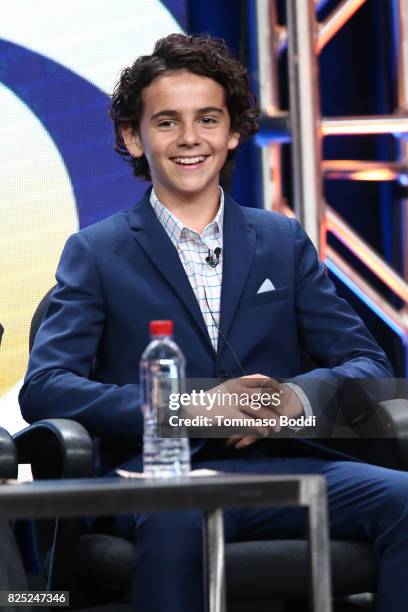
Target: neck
[(194, 211)]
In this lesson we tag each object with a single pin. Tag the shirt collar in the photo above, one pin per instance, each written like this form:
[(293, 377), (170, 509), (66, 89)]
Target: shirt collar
[(175, 228)]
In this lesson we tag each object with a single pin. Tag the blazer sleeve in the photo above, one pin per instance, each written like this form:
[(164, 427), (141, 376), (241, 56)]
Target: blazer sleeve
[(333, 336), (58, 382)]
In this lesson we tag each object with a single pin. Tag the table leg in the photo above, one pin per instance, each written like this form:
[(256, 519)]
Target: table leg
[(214, 556), (314, 496)]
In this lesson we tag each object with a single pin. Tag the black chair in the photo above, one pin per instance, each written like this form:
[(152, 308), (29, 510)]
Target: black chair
[(12, 573), (98, 567), (8, 453), (8, 456)]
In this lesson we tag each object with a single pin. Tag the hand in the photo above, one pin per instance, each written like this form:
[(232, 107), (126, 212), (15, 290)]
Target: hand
[(258, 383), (289, 405), (205, 409), (225, 402)]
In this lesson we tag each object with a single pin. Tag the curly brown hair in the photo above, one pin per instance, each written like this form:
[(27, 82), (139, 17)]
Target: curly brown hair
[(202, 55)]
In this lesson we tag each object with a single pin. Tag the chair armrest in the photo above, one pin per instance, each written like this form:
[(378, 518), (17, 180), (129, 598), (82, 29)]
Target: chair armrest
[(394, 416), (56, 448), (8, 455)]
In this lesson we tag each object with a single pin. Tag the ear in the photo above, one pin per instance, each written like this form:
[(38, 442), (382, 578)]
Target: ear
[(233, 140), (132, 142)]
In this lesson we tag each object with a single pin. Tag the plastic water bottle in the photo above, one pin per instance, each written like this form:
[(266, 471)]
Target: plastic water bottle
[(162, 372)]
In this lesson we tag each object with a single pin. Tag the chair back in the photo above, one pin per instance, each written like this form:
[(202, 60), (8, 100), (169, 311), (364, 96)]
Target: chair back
[(38, 317)]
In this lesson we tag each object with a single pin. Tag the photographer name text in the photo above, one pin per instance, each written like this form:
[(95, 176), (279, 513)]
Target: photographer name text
[(222, 421)]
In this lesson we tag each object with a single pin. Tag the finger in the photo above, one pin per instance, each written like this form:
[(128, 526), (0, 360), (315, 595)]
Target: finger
[(270, 384), (266, 432), (253, 380), (262, 386), (271, 421), (245, 442), (232, 441)]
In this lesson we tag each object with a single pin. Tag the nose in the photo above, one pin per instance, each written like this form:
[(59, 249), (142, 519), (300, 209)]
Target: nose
[(188, 135)]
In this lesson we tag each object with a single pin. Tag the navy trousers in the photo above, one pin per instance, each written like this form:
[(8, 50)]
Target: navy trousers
[(366, 502)]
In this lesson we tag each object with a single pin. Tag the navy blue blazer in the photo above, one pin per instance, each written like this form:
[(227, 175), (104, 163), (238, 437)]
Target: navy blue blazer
[(120, 273)]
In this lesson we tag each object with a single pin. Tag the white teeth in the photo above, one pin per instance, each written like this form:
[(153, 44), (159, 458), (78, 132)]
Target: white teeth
[(189, 160)]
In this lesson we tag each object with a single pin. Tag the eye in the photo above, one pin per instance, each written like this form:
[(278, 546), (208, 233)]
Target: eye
[(166, 123), (208, 120)]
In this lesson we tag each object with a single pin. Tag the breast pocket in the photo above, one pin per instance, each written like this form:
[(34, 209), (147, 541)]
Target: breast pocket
[(268, 297)]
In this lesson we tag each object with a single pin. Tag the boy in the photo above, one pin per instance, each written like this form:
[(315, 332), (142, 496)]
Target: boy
[(188, 252)]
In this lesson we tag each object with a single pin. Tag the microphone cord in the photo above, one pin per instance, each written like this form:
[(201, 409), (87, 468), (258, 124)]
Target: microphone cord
[(239, 364)]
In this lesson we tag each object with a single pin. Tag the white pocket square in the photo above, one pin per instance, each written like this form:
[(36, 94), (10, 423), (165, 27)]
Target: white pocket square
[(267, 285)]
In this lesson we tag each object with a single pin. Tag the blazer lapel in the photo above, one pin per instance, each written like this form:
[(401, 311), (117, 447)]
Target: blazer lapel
[(239, 244), (157, 245)]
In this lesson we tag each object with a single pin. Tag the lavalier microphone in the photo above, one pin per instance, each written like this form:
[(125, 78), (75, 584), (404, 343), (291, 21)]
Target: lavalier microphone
[(214, 258)]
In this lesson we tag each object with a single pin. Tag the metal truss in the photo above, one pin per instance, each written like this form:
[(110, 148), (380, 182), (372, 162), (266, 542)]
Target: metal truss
[(305, 128)]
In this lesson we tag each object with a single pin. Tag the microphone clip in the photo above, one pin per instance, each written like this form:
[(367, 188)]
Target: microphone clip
[(214, 258)]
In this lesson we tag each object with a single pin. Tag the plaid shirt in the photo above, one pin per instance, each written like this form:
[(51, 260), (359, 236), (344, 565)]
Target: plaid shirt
[(193, 248)]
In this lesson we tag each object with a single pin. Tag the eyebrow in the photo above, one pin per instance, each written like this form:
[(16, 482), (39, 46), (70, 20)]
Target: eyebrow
[(200, 111)]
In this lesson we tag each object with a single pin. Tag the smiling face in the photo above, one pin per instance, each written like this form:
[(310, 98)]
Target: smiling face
[(185, 135)]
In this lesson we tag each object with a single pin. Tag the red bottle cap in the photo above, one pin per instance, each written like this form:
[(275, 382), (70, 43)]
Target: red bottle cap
[(161, 328)]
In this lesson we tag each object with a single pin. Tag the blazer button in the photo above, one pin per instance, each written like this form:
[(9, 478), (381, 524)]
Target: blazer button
[(222, 374)]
